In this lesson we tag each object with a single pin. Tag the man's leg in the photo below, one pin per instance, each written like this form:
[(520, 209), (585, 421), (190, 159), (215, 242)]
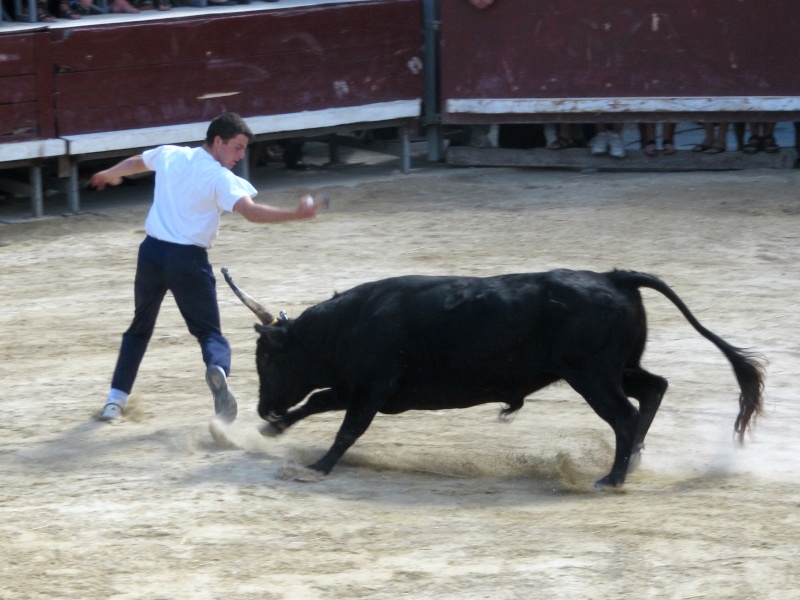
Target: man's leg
[(193, 284), (149, 291)]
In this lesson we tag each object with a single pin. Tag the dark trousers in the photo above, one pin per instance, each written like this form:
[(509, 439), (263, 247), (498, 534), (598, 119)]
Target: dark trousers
[(186, 272)]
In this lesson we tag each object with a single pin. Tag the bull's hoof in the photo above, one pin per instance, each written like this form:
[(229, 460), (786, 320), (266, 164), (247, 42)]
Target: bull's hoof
[(270, 430), (297, 473), (606, 483)]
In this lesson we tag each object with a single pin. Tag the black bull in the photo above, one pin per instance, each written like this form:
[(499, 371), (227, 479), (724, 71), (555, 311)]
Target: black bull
[(430, 343)]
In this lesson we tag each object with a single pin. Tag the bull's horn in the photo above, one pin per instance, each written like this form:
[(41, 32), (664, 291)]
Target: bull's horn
[(261, 312)]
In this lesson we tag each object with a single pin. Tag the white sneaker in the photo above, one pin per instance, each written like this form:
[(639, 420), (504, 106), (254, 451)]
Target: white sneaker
[(615, 147), (111, 412), (599, 144), (224, 402)]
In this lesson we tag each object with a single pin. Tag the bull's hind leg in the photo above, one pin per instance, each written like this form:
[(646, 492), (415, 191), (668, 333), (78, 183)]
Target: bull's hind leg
[(607, 399), (648, 389)]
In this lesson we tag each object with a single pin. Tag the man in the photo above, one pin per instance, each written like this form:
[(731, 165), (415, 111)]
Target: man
[(193, 187)]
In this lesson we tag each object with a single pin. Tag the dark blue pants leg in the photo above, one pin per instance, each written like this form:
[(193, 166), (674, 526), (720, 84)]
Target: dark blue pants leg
[(186, 272), (149, 290), (193, 284)]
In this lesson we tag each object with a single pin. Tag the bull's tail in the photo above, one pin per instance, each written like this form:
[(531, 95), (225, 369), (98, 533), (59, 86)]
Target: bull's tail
[(747, 366)]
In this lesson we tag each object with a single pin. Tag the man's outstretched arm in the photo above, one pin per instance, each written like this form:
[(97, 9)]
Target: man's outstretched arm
[(113, 176), (264, 213)]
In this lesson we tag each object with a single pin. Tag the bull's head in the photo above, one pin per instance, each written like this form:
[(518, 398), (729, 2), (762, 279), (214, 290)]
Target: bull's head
[(280, 364)]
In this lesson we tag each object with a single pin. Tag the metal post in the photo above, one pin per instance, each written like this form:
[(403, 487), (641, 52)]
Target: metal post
[(73, 195), (432, 113), (405, 150), (334, 156), (242, 168), (37, 191)]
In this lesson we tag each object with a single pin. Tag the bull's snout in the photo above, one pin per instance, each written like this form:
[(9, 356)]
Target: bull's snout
[(270, 416), (274, 425)]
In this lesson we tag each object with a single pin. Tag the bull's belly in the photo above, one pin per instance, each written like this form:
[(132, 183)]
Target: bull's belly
[(437, 398), (398, 405)]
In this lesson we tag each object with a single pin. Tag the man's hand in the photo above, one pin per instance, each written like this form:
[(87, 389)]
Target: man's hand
[(101, 179), (307, 208), (113, 176)]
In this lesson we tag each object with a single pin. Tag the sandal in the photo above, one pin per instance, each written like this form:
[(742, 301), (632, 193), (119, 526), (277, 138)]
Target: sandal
[(753, 145), (769, 145), (715, 149), (42, 14), (65, 12), (560, 143), (669, 147), (649, 148)]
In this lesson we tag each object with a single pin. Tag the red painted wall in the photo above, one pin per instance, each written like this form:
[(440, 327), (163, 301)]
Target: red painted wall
[(25, 87), (620, 48), (163, 72)]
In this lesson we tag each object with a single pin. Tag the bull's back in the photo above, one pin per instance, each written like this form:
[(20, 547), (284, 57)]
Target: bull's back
[(469, 333)]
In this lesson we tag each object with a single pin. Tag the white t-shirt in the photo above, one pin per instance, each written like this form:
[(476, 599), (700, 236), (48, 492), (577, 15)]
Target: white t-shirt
[(192, 189)]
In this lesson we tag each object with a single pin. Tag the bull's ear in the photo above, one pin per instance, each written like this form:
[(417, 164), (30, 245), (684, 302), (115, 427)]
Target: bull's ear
[(271, 338), (271, 327)]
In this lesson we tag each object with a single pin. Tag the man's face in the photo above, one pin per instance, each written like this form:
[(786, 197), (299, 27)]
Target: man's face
[(231, 152)]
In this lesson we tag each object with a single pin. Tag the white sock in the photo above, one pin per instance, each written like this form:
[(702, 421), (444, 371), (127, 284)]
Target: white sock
[(117, 397)]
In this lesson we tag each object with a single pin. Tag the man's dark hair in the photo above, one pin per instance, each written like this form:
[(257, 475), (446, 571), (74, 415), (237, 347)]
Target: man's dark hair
[(227, 125)]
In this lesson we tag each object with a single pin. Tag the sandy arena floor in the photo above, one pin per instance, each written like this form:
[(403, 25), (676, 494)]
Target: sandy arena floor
[(445, 505)]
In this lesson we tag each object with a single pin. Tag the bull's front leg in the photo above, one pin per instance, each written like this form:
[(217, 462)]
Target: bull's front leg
[(356, 421), (318, 402)]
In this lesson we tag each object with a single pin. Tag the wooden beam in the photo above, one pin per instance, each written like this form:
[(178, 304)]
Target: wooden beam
[(636, 160)]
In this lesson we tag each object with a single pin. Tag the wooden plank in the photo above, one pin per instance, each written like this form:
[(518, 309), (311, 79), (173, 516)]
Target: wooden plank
[(18, 110), (17, 53), (276, 74), (25, 92), (18, 121), (17, 88), (174, 94), (636, 160), (101, 142), (168, 110), (44, 85), (22, 151)]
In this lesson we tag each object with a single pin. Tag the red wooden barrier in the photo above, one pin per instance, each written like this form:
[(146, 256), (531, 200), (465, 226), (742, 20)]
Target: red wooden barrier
[(25, 87), (625, 59), (130, 75)]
